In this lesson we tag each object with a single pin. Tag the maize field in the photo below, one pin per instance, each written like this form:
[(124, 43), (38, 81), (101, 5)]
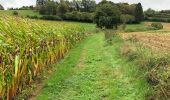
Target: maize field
[(28, 46)]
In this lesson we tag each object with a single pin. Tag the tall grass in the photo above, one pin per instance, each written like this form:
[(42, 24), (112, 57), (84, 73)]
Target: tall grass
[(153, 65), (28, 46)]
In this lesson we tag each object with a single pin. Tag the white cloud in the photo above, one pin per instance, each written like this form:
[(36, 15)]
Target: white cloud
[(16, 3), (155, 4)]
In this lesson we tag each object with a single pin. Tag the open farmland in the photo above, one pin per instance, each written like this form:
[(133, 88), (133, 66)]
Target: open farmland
[(84, 50), (158, 40), (30, 46)]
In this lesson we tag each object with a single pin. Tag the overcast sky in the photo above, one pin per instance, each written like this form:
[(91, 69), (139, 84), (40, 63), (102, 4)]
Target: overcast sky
[(155, 4)]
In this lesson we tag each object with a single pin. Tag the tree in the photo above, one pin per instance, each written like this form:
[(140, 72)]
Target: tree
[(82, 5), (51, 7), (88, 5), (40, 2), (107, 16), (62, 8), (47, 7), (139, 15), (150, 12), (126, 8), (40, 6), (75, 5), (26, 8), (1, 7), (105, 2)]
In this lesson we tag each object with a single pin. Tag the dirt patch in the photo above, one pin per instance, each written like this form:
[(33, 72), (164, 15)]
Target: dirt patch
[(33, 95), (39, 85), (81, 60)]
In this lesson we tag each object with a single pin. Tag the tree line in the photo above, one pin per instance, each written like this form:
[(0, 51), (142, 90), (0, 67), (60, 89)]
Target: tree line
[(157, 16), (84, 10), (151, 12)]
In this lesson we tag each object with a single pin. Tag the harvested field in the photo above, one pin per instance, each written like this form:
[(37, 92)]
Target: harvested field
[(153, 41)]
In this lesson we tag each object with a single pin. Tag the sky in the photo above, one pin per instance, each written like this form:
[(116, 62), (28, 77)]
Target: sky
[(154, 4)]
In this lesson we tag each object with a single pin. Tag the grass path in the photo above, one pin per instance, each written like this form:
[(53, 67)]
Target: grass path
[(94, 71)]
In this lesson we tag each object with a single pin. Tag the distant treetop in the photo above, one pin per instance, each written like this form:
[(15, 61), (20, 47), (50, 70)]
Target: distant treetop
[(139, 15), (1, 7)]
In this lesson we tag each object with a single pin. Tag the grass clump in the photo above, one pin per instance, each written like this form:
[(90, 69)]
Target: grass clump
[(15, 13), (157, 25)]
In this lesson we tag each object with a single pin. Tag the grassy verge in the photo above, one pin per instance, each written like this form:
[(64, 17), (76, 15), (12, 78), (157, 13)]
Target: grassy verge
[(154, 67)]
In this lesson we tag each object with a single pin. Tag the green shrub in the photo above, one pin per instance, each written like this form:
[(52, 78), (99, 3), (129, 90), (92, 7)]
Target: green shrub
[(15, 13), (51, 17), (79, 16), (34, 17), (28, 16), (129, 19), (157, 25), (158, 19), (107, 16)]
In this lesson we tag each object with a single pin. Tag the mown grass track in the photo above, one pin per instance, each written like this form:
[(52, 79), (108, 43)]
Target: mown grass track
[(94, 70)]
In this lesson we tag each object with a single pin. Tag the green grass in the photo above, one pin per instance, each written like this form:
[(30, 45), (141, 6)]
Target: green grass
[(137, 28), (87, 26), (22, 13), (94, 70)]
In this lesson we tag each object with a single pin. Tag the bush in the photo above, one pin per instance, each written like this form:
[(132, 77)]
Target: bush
[(157, 19), (107, 16), (15, 13), (32, 17), (51, 17), (157, 25), (28, 16), (79, 16), (129, 19)]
